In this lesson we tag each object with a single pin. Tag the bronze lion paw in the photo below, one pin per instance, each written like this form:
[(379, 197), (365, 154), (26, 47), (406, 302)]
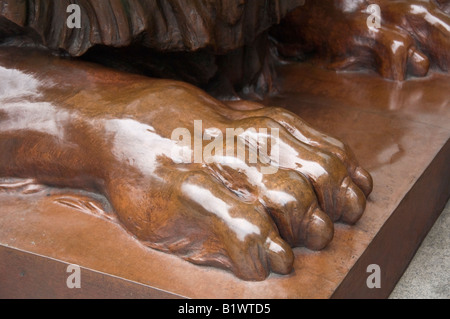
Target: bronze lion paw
[(72, 124), (395, 38)]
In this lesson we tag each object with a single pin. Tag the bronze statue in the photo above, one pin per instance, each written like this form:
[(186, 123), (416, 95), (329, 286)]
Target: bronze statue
[(69, 123)]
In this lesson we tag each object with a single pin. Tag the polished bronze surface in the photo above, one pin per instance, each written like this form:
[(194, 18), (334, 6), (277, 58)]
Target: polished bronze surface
[(396, 38), (27, 275), (66, 124), (396, 131)]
